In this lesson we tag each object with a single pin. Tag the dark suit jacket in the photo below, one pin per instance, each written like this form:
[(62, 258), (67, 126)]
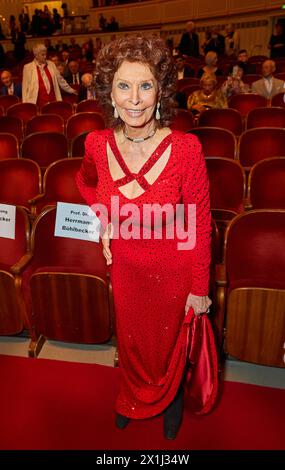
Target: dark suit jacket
[(82, 93), (188, 72), (189, 45), (69, 77), (17, 90)]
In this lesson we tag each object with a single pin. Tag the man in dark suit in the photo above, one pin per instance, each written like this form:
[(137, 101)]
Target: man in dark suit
[(73, 75), (9, 87), (189, 43), (243, 63), (183, 70)]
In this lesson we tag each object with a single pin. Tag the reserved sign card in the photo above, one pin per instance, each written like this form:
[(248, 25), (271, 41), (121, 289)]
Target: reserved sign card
[(7, 221), (76, 221)]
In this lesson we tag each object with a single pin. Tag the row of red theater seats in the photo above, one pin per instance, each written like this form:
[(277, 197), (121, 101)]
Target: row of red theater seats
[(11, 105), (21, 183), (246, 111), (252, 146), (75, 124), (233, 119), (59, 288)]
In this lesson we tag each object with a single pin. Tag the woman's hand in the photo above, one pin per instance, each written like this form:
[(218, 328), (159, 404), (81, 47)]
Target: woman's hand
[(106, 239), (200, 304)]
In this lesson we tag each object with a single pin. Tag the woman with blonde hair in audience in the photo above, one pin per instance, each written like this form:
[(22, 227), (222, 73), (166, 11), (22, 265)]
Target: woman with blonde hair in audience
[(207, 97), (210, 67)]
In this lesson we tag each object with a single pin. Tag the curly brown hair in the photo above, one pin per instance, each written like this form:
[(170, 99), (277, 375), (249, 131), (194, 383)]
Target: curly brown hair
[(151, 51)]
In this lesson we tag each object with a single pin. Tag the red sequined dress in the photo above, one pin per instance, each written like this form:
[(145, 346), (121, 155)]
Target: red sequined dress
[(151, 278)]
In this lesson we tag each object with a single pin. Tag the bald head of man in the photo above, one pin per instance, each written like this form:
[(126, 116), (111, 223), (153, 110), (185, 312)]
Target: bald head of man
[(86, 79), (6, 78)]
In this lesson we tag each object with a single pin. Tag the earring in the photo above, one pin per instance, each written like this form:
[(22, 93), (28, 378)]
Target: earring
[(116, 114), (157, 113)]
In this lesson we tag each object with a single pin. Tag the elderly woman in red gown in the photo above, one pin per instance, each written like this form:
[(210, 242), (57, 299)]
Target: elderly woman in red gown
[(137, 162)]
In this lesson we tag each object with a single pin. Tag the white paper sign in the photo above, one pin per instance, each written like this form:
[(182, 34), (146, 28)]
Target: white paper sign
[(76, 221), (7, 221)]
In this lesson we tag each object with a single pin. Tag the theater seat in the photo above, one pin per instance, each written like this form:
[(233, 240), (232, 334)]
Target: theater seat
[(66, 287), (9, 147), (62, 108), (20, 180), (88, 106), (216, 142), (12, 125), (58, 185), (13, 315), (183, 121), (266, 117), (246, 102), (77, 145), (45, 123), (24, 111), (258, 144), (45, 147), (251, 288), (266, 184), (8, 100), (83, 122), (226, 118)]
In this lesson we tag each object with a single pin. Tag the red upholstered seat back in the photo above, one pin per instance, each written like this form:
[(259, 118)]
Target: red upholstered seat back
[(9, 147), (45, 147), (267, 184), (20, 180), (49, 250), (227, 118), (227, 183), (266, 117), (11, 250), (255, 255), (245, 102), (183, 121), (24, 111), (261, 143), (45, 122), (59, 181), (83, 122), (216, 142)]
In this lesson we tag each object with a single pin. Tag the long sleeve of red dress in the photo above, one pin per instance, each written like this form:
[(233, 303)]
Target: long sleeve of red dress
[(195, 190), (87, 177)]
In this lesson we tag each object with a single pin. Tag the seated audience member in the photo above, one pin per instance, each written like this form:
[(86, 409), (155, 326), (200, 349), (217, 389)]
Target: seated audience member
[(234, 84), (207, 97), (243, 63), (277, 42), (210, 67), (73, 74), (183, 70), (86, 90), (268, 86), (41, 80), (9, 87)]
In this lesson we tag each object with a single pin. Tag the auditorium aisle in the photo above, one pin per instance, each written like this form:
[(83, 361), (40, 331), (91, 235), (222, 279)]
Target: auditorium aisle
[(235, 371)]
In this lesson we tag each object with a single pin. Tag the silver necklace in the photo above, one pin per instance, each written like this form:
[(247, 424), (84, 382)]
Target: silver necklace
[(137, 140)]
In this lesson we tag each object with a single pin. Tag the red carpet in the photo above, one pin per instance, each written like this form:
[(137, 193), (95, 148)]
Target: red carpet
[(48, 404)]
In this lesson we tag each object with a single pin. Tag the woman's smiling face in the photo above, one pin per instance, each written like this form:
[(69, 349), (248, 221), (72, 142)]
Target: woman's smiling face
[(135, 93)]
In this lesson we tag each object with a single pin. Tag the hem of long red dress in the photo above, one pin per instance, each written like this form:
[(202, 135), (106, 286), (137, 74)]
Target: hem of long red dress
[(155, 409)]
